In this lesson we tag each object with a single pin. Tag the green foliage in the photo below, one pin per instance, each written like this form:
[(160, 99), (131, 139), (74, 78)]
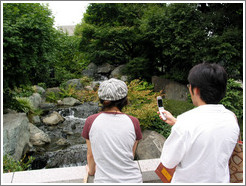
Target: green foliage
[(23, 91), (142, 104), (177, 107), (52, 97), (25, 105), (158, 38), (233, 99), (11, 165)]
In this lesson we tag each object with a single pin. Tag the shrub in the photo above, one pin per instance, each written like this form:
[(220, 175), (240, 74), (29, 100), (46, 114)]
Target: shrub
[(11, 165), (177, 107), (233, 99), (142, 105)]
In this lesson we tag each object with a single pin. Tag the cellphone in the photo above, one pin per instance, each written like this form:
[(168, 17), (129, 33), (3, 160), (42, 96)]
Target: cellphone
[(160, 107)]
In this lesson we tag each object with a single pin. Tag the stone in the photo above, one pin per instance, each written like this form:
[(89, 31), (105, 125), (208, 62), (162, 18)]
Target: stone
[(53, 119), (39, 90), (105, 68), (35, 99), (37, 136), (76, 83), (150, 146), (90, 70), (117, 72), (36, 120), (55, 90), (47, 106), (171, 89), (69, 101), (15, 135), (62, 142)]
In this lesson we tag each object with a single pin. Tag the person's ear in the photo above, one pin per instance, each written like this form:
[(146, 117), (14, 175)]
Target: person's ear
[(196, 91)]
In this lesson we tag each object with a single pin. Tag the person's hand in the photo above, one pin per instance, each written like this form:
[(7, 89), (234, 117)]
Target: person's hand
[(170, 120)]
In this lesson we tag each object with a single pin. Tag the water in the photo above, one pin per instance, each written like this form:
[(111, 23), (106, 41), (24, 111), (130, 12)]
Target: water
[(67, 147)]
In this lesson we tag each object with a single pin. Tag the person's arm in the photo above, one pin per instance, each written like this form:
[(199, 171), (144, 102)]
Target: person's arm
[(90, 159), (170, 119), (134, 148)]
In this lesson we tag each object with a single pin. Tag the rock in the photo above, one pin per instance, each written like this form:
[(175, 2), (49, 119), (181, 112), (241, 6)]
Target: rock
[(90, 70), (53, 119), (55, 90), (124, 78), (170, 88), (36, 119), (47, 106), (35, 99), (69, 101), (62, 142), (76, 83), (39, 90), (74, 155), (37, 136), (105, 68), (117, 72), (15, 135), (88, 88), (150, 147)]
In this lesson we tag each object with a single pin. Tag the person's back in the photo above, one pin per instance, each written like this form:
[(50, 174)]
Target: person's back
[(202, 139), (112, 137), (208, 135)]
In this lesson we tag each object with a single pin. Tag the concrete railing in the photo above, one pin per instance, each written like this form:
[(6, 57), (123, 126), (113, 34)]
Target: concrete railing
[(73, 174)]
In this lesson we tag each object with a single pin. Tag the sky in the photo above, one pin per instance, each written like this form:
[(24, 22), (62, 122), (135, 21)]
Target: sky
[(67, 12)]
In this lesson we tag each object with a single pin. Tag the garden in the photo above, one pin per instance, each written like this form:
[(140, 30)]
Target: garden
[(149, 39)]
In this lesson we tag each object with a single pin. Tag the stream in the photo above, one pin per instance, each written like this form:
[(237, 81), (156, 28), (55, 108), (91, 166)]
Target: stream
[(67, 147)]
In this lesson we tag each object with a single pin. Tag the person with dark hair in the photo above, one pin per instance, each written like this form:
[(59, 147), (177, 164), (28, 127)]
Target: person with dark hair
[(112, 137), (202, 139)]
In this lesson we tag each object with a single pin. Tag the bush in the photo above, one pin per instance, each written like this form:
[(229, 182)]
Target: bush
[(142, 105), (177, 107), (11, 165)]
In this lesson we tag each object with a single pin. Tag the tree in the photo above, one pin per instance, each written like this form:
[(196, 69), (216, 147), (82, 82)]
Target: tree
[(28, 45), (163, 39)]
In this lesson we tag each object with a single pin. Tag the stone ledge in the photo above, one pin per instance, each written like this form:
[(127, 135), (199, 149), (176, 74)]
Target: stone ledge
[(73, 174)]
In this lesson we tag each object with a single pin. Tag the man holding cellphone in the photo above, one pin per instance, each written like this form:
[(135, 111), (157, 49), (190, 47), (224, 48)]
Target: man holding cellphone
[(202, 139)]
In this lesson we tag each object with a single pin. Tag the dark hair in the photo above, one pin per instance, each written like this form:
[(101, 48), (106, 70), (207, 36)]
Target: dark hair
[(119, 103), (211, 79)]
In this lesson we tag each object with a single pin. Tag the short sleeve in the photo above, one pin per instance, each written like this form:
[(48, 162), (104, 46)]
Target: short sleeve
[(137, 128), (88, 123), (174, 149)]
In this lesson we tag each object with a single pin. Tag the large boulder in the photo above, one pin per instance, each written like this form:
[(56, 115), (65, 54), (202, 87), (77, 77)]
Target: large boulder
[(37, 136), (36, 100), (90, 71), (54, 90), (150, 147), (53, 119), (76, 83), (105, 68), (171, 89), (117, 72), (39, 90), (69, 101), (16, 135)]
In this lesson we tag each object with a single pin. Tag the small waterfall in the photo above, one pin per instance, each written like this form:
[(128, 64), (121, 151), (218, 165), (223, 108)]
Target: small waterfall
[(67, 147)]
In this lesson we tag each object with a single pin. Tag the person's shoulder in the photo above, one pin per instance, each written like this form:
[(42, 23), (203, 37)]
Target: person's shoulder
[(132, 118), (93, 116), (188, 113)]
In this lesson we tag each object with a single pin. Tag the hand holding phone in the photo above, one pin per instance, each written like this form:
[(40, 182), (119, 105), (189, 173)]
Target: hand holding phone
[(161, 107)]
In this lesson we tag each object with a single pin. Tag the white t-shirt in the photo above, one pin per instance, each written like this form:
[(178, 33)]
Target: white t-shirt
[(200, 144), (112, 137)]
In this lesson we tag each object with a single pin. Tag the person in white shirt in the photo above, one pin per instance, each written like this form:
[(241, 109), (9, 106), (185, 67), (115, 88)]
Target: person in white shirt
[(202, 139)]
